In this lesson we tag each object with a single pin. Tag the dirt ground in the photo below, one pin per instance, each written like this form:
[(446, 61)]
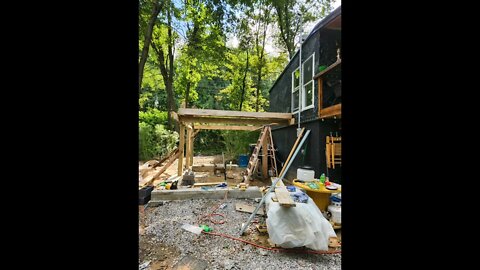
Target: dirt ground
[(233, 174), (163, 245)]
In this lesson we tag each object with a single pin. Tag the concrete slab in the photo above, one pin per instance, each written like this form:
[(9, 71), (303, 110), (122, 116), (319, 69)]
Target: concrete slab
[(199, 193)]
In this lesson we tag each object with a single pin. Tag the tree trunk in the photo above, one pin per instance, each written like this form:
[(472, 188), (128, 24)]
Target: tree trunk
[(146, 43), (187, 93), (243, 85), (260, 61), (283, 23), (169, 87)]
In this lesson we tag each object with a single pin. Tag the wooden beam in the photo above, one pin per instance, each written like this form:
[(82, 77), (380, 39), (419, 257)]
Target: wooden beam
[(192, 142), (331, 111), (235, 114), (181, 150), (265, 155), (189, 148), (163, 169), (207, 184), (283, 195), (323, 72), (238, 121), (292, 151), (225, 127), (320, 95)]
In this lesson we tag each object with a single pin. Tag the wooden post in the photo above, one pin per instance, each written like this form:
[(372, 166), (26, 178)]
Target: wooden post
[(320, 95), (189, 147), (192, 139), (181, 148), (265, 155)]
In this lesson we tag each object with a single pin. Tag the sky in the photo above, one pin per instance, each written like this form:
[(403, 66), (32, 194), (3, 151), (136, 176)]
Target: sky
[(270, 47)]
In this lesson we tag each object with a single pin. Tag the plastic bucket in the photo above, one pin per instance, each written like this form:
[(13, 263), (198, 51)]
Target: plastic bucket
[(242, 160)]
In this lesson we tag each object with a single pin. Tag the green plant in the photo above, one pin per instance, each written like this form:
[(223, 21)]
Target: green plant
[(155, 141), (153, 117), (237, 142)]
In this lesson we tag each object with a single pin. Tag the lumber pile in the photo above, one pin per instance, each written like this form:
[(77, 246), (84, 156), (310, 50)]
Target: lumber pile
[(152, 169)]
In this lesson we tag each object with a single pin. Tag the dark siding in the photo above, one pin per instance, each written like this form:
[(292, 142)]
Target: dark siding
[(281, 94), (314, 156), (281, 98)]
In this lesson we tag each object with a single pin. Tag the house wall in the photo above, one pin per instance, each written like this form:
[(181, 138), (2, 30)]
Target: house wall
[(281, 93), (314, 154), (280, 101)]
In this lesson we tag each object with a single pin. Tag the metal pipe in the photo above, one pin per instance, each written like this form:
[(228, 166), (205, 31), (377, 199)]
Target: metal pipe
[(244, 227)]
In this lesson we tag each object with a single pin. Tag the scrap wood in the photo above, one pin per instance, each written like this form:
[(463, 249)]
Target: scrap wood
[(207, 184), (166, 157), (283, 195), (149, 180), (247, 208)]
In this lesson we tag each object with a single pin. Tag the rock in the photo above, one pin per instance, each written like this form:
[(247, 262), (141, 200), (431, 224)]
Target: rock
[(263, 252), (144, 265)]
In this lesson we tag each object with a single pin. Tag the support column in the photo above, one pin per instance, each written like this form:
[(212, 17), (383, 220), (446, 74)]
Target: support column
[(181, 149), (189, 147)]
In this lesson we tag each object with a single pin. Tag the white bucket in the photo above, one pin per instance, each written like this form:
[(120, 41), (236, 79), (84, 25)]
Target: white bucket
[(305, 175), (336, 212)]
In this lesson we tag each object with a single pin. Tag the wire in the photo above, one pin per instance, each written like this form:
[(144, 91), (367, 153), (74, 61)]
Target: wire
[(212, 214)]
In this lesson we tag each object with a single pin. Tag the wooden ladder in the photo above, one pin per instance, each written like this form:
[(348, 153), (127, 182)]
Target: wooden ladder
[(252, 166)]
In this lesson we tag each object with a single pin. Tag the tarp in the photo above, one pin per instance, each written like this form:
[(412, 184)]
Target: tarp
[(303, 225)]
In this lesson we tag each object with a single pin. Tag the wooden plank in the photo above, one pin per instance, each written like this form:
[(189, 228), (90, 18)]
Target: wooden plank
[(207, 184), (227, 127), (151, 178), (328, 69), (233, 121), (292, 151), (242, 207), (181, 150), (283, 197), (333, 152), (233, 114), (192, 142), (166, 157), (327, 151), (334, 110), (320, 95), (265, 154), (189, 148)]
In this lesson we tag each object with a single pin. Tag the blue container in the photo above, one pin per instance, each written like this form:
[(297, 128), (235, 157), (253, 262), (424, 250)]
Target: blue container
[(242, 161)]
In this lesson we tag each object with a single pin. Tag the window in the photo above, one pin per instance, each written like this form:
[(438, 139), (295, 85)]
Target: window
[(308, 86), (307, 94)]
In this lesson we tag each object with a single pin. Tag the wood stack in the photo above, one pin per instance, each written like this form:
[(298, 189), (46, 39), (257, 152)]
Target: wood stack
[(148, 172)]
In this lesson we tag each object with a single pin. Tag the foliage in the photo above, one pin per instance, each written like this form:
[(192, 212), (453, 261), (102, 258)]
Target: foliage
[(237, 142), (207, 72), (153, 117), (155, 141)]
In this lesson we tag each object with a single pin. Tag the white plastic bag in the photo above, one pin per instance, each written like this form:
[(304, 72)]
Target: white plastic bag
[(303, 225)]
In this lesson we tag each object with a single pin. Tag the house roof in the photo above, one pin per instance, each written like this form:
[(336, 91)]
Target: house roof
[(321, 24)]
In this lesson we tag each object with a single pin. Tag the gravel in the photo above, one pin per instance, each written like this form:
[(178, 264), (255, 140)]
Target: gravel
[(164, 224)]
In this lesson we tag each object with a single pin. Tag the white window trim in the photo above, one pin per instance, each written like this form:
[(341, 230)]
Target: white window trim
[(313, 97), (304, 93), (293, 90)]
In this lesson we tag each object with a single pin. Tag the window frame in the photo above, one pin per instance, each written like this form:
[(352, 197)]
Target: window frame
[(304, 93), (295, 89)]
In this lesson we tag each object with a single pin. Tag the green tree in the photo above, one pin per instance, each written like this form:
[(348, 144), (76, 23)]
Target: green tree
[(292, 15)]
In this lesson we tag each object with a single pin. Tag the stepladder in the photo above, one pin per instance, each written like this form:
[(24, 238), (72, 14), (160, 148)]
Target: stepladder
[(264, 151)]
